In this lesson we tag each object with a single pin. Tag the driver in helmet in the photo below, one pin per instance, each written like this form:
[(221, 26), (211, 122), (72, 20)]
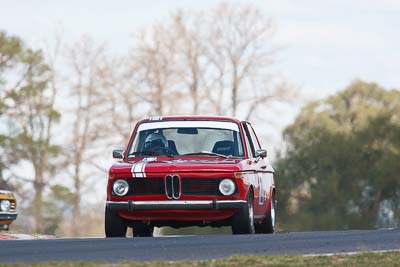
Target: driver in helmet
[(156, 142)]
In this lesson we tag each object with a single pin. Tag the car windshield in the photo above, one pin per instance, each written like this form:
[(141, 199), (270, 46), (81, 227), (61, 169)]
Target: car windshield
[(187, 138)]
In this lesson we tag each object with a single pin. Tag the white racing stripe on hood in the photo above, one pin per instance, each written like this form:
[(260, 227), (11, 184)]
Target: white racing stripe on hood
[(139, 168)]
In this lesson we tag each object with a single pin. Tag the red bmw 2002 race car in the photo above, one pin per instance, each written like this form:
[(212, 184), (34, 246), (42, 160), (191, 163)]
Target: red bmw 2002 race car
[(191, 171)]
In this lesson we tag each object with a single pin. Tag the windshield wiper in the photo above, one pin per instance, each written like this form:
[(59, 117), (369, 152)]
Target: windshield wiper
[(144, 152), (150, 153), (206, 153)]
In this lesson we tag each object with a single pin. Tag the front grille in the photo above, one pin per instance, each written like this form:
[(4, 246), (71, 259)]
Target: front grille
[(173, 186), (12, 207), (176, 186), (201, 186), (146, 186), (168, 186)]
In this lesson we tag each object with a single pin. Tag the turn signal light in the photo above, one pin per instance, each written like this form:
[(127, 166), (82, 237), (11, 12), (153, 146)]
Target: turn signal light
[(242, 174)]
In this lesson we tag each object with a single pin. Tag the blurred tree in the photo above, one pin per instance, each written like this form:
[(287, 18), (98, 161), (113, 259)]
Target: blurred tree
[(239, 47), (58, 206), (29, 115), (125, 104), (190, 51), (88, 103), (210, 63), (10, 48), (340, 170), (153, 68)]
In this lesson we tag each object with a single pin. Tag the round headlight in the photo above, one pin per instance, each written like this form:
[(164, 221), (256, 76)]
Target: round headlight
[(120, 187), (227, 187), (5, 205)]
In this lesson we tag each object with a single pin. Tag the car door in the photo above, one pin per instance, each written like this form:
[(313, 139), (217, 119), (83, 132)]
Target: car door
[(262, 174)]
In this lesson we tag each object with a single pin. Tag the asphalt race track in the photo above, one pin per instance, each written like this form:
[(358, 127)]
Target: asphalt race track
[(196, 247)]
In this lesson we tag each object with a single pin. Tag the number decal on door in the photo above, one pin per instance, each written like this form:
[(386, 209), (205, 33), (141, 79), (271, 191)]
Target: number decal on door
[(261, 188)]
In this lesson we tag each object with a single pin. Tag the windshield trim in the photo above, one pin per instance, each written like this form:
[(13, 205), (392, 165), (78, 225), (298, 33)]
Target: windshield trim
[(236, 128), (224, 125)]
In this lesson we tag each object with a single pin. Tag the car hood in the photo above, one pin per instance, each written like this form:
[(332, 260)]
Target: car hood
[(6, 194), (163, 165)]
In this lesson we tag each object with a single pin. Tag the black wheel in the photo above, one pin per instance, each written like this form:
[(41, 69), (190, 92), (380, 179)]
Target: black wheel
[(267, 226), (142, 230), (5, 227), (243, 220), (114, 225)]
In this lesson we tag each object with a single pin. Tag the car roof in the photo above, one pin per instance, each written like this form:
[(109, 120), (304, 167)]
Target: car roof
[(191, 118)]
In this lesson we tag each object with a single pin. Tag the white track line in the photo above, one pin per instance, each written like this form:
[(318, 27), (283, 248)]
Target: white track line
[(350, 253)]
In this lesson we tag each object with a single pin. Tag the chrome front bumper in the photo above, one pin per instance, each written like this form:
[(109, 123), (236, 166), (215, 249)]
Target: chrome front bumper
[(174, 205), (8, 216)]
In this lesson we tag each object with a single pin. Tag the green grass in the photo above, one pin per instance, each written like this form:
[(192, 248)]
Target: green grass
[(362, 259)]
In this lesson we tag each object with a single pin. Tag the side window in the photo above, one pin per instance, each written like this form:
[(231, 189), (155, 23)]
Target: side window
[(249, 143), (253, 137), (238, 140)]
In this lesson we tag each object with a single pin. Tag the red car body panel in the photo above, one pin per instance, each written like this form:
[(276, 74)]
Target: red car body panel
[(256, 175)]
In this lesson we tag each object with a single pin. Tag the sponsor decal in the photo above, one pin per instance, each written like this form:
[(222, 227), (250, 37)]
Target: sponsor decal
[(156, 118), (138, 169), (262, 190)]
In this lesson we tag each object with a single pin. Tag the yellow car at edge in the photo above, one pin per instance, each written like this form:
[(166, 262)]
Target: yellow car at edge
[(8, 209)]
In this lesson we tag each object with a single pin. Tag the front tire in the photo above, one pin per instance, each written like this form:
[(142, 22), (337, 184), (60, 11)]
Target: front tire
[(243, 220), (267, 226), (114, 225), (5, 227)]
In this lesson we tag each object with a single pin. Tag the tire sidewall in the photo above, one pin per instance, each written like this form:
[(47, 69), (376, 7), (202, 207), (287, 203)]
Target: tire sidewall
[(243, 219), (267, 226)]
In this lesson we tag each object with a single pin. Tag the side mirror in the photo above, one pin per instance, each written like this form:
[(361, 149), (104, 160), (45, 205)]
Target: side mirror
[(118, 153), (261, 153)]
